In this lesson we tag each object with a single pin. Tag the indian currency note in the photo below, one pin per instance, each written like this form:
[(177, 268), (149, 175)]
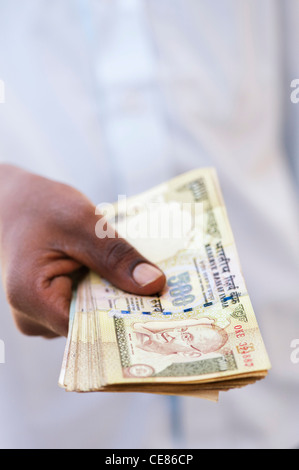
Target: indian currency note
[(202, 327)]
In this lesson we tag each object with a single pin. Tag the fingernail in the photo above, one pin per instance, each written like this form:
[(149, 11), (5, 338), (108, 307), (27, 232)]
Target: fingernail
[(145, 274)]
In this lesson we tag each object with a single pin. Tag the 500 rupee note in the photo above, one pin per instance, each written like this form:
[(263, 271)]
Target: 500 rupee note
[(200, 333)]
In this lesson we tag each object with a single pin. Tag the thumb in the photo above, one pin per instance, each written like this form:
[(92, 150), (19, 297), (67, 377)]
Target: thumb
[(113, 258)]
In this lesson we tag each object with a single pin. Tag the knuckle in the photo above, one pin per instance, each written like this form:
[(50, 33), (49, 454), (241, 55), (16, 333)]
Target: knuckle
[(74, 214), (20, 291), (119, 254), (28, 327), (14, 289), (23, 325)]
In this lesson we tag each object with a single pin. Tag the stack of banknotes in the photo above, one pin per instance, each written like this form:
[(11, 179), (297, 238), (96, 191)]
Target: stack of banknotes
[(197, 337)]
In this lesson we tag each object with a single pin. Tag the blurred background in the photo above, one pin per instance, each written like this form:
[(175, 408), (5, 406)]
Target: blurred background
[(114, 97)]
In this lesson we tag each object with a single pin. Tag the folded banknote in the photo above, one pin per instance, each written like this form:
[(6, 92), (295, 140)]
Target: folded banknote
[(197, 337)]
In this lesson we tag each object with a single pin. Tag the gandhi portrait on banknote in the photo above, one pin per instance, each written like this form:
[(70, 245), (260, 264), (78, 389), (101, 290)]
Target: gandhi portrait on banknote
[(190, 338)]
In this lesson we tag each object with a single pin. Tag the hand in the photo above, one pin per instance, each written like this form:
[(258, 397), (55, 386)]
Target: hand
[(47, 240)]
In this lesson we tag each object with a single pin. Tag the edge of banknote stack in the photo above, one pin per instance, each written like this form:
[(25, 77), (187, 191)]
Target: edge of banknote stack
[(118, 342)]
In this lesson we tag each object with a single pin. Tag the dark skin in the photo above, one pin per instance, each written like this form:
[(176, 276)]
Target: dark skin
[(48, 242)]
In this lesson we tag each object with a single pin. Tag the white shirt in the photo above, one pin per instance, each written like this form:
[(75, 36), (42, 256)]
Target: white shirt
[(114, 97)]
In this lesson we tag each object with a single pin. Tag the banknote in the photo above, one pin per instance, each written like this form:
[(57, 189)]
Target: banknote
[(200, 334)]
